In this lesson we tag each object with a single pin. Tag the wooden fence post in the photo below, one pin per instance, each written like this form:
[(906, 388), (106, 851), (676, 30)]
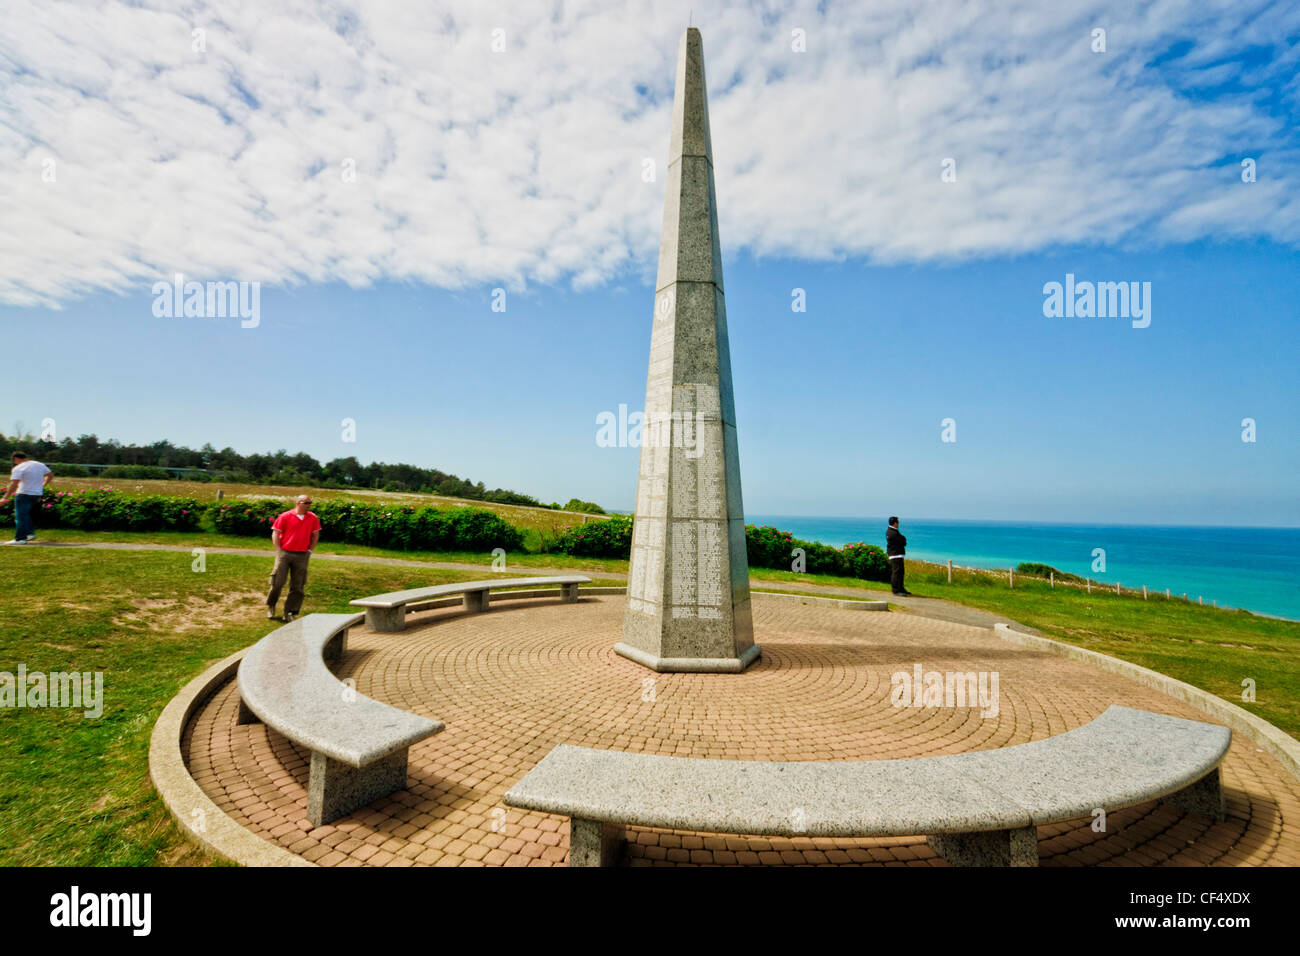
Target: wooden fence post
[(1144, 592), (1011, 576), (1089, 585), (1051, 579), (950, 570), (1117, 587)]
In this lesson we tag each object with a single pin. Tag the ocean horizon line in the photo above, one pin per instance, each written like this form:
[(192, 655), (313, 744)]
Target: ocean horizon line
[(1025, 522), (1012, 522)]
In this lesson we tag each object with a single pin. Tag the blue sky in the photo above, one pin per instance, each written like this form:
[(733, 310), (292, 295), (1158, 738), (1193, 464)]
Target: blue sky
[(924, 297)]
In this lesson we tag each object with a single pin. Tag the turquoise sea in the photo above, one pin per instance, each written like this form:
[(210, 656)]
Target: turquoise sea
[(1253, 568)]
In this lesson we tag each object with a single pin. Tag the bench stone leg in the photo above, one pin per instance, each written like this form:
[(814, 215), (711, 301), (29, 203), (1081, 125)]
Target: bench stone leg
[(246, 716), (335, 647), (476, 601), (594, 842), (386, 619), (568, 593), (1204, 796), (1017, 847), (336, 789)]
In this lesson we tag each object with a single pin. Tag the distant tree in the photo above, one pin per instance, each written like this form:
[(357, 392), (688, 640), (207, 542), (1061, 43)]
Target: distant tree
[(346, 471)]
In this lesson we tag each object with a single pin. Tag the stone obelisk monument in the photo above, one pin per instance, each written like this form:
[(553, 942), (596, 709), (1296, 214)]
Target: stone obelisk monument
[(688, 588)]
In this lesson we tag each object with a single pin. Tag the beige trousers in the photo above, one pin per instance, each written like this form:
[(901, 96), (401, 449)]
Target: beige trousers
[(293, 565)]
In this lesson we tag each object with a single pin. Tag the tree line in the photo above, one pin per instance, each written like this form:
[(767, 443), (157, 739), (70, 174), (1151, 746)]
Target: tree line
[(272, 468)]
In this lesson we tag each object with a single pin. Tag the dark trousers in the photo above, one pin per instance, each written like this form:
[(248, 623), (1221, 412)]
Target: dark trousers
[(24, 505), (291, 565), (896, 575)]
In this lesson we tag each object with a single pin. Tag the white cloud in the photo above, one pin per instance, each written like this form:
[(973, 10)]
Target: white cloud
[(525, 166)]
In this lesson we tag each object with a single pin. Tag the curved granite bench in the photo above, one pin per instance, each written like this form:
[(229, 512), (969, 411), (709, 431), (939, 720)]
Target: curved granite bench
[(976, 809), (358, 745), (387, 612)]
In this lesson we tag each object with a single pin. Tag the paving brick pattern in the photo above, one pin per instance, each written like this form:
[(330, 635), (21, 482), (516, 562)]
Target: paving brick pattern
[(512, 683)]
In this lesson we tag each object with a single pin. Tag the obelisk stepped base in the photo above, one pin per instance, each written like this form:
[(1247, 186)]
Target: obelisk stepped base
[(690, 665)]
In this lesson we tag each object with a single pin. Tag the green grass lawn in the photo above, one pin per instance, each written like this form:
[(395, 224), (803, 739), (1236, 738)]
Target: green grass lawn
[(1211, 648)]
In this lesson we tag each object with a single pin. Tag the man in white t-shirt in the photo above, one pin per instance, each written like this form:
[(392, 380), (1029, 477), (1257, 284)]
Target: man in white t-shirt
[(26, 485)]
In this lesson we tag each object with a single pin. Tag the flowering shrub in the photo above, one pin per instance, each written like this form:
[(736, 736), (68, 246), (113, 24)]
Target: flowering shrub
[(597, 539), (866, 561), (245, 517), (104, 509), (769, 548)]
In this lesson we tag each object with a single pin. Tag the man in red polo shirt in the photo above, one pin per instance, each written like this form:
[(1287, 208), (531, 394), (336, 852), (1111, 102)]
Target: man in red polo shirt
[(294, 535)]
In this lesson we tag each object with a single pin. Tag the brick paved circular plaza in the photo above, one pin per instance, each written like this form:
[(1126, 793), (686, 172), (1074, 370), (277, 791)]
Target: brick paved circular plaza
[(513, 683)]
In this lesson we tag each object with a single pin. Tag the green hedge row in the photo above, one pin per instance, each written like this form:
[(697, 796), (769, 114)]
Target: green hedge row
[(382, 526), (137, 472), (417, 529), (766, 547), (770, 548), (425, 529), (611, 538), (68, 471), (102, 509)]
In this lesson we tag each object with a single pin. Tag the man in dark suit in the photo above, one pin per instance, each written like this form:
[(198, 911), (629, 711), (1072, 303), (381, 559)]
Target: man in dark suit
[(895, 548)]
